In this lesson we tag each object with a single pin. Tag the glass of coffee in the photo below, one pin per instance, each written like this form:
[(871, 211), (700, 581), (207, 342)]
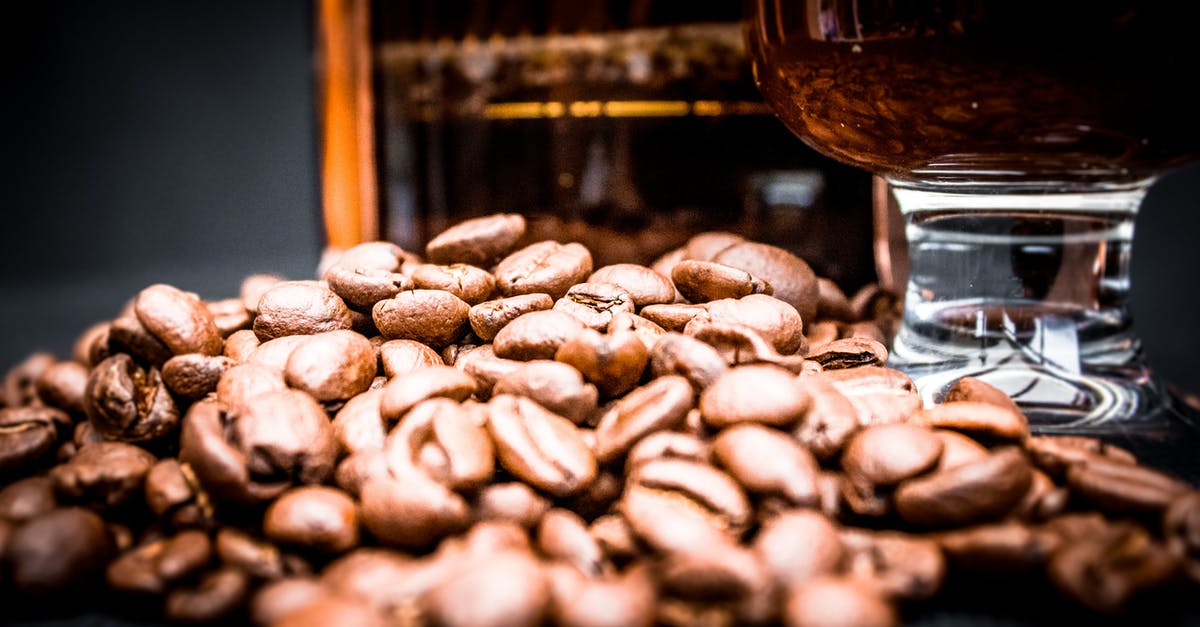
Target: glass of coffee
[(1019, 139)]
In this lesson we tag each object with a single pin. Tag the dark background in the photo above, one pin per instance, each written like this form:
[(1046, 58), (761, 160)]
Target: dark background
[(175, 142)]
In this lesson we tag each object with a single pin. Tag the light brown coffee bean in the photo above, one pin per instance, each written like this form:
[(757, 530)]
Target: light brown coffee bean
[(508, 588), (667, 444), (539, 447), (700, 485), (563, 536), (776, 320), (554, 385), (613, 362), (411, 511), (849, 353), (354, 470), (547, 267), (739, 344), (512, 502), (240, 345), (595, 304), (659, 405), (977, 390), (299, 308), (799, 545), (977, 419), (432, 317), (958, 449), (830, 421), (648, 332), (399, 357), (766, 461), (615, 537), (402, 393), (192, 375), (277, 599), (832, 302), (755, 393), (819, 334), (331, 610), (620, 600), (317, 517), (1057, 453), (702, 281), (535, 335), (332, 366), (972, 492), (487, 318), (361, 286), (724, 571), (229, 315), (441, 440), (479, 241), (240, 384), (26, 498), (482, 364), (275, 353), (253, 287), (470, 283), (359, 425), (644, 285), (791, 278), (888, 454), (674, 316), (837, 602), (880, 395), (679, 354), (179, 319)]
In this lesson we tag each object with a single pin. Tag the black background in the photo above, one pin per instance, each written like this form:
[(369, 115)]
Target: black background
[(175, 142)]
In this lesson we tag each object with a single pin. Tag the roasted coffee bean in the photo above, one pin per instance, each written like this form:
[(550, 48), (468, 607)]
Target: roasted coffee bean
[(274, 353), (256, 452), (1119, 487), (470, 283), (353, 471), (253, 287), (615, 537), (102, 475), (1104, 571), (193, 375), (487, 318), (1181, 531), (315, 517), (820, 333), (543, 267), (619, 600), (705, 246), (777, 321), (1043, 500), (257, 558), (904, 567), (172, 493), (667, 444), (724, 571), (432, 317), (513, 502), (217, 595), (977, 390), (799, 545), (241, 384), (62, 385), (674, 316), (56, 550), (1055, 454), (240, 345), (126, 402), (229, 316), (402, 393), (756, 393), (553, 385), (91, 347), (440, 439), (849, 353), (538, 446), (482, 364), (179, 320), (976, 418), (20, 382), (880, 395), (679, 354), (277, 599), (535, 335), (335, 365), (998, 547), (768, 462), (128, 335), (837, 602), (958, 449), (703, 281), (888, 454), (830, 421), (412, 510), (509, 588), (28, 437), (644, 285), (479, 241), (361, 286), (701, 486), (359, 425), (972, 492), (659, 405), (26, 498), (832, 303), (399, 357), (739, 344), (562, 535), (613, 362), (646, 331), (299, 308), (595, 304), (792, 280)]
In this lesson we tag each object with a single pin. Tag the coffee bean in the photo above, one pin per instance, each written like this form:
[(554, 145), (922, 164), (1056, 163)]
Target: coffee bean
[(705, 246), (976, 418), (20, 382), (777, 321), (562, 535), (849, 353), (353, 471), (1118, 487), (240, 345), (998, 547), (487, 318), (62, 385), (837, 602), (277, 599), (473, 285), (507, 589), (217, 595), (888, 454), (335, 365), (766, 461), (543, 267), (595, 304), (972, 389), (241, 384), (739, 344), (482, 364), (880, 395), (701, 485), (512, 502), (56, 550), (193, 375), (675, 353), (363, 286), (128, 335), (299, 308), (674, 316), (1104, 571), (820, 333), (315, 517), (254, 557), (535, 335), (178, 319), (359, 425), (253, 287), (440, 439), (172, 494), (402, 393), (399, 357), (28, 436), (667, 444), (479, 241), (799, 545), (791, 278), (661, 404), (411, 511), (626, 599), (702, 281), (613, 362), (756, 393), (644, 285), (432, 317), (553, 385), (102, 475), (902, 566), (957, 449), (1056, 454), (538, 446), (1181, 531), (718, 572), (832, 302), (968, 493), (830, 421), (126, 402), (229, 315), (26, 498)]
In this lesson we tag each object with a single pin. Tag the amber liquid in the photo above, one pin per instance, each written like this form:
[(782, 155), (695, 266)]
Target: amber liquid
[(1050, 95)]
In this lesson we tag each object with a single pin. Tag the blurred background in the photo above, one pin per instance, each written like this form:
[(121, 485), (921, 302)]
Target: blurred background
[(176, 142)]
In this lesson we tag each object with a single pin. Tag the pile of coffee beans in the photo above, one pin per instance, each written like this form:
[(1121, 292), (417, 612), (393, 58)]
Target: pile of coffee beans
[(498, 433)]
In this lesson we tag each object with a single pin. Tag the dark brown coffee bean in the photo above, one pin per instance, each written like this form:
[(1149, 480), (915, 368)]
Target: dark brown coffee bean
[(487, 318), (358, 425), (595, 304), (136, 570), (768, 462), (547, 267), (627, 599), (513, 502), (26, 498), (1043, 500), (179, 320), (977, 390), (217, 595), (613, 362), (1056, 453), (257, 558), (241, 345), (128, 335), (440, 439), (57, 550), (719, 572), (403, 356), (299, 308), (509, 588), (644, 285), (402, 393), (183, 555), (538, 446), (239, 385), (411, 511), (432, 317), (849, 353), (774, 319), (28, 437), (830, 421), (254, 286), (335, 365), (256, 452), (837, 602), (968, 493), (958, 449), (659, 405), (675, 353), (470, 283), (832, 302), (91, 347), (172, 494), (553, 385), (126, 402), (363, 286), (478, 241), (1181, 533), (62, 385), (880, 395), (703, 281), (20, 382), (102, 475), (799, 545), (755, 393), (1105, 571), (1120, 487), (792, 279), (667, 444), (192, 375), (315, 517), (902, 566), (998, 547), (977, 419), (562, 535), (888, 454), (674, 316), (535, 335)]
